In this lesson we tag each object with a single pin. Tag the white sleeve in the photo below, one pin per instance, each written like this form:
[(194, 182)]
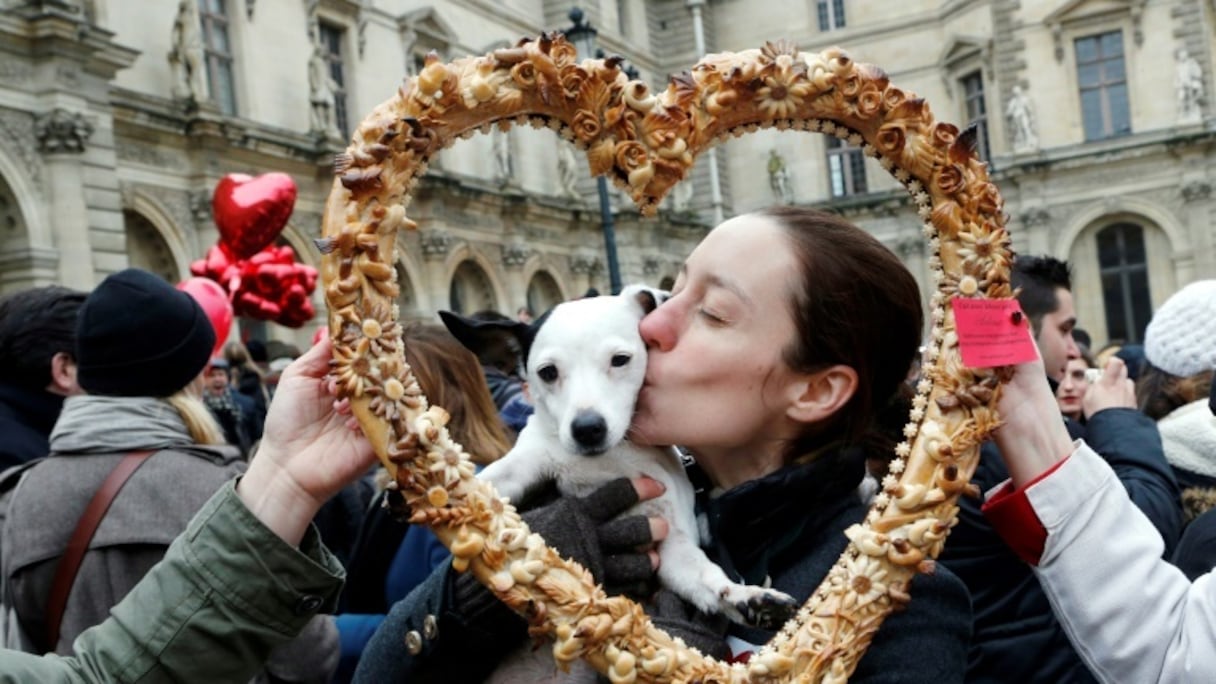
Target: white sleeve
[(1132, 616)]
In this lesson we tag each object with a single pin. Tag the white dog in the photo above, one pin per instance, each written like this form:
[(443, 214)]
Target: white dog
[(585, 365)]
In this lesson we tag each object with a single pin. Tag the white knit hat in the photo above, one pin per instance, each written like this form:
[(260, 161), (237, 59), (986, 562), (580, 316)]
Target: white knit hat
[(1181, 338)]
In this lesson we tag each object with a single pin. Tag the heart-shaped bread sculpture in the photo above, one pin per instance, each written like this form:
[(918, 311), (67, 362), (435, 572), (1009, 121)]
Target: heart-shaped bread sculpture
[(646, 143)]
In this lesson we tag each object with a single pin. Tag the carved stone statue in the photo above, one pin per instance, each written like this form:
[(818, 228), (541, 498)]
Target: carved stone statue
[(503, 164), (1021, 122), (321, 87), (567, 169), (779, 178), (186, 59), (681, 195), (1188, 85)]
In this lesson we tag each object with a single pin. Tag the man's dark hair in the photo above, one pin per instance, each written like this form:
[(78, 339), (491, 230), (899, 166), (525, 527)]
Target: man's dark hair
[(35, 325), (1035, 278)]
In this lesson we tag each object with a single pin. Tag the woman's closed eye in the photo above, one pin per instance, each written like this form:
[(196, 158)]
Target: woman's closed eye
[(711, 316)]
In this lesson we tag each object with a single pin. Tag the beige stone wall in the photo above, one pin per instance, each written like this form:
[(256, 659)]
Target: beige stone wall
[(134, 188)]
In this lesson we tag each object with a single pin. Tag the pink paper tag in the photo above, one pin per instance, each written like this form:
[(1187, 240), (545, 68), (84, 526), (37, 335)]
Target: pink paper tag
[(992, 332)]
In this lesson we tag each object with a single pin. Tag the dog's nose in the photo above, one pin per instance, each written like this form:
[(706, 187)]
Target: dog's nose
[(589, 429)]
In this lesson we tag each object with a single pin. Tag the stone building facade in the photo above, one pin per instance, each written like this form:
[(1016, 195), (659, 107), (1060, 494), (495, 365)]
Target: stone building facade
[(1095, 116)]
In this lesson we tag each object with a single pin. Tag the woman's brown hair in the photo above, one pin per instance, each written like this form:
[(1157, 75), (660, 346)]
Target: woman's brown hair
[(1158, 393), (855, 304), (451, 377)]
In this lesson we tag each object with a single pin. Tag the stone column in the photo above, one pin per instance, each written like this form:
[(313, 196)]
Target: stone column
[(514, 256), (62, 136), (584, 266), (1197, 216), (436, 244)]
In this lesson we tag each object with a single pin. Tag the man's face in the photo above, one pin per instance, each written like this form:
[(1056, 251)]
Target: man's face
[(217, 380), (1055, 336)]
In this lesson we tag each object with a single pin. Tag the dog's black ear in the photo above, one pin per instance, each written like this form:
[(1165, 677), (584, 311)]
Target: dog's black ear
[(526, 334), (476, 333)]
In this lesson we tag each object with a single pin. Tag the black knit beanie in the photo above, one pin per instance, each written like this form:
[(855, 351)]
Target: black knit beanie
[(137, 336)]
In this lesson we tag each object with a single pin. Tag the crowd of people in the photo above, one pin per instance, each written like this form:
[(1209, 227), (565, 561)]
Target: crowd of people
[(234, 501)]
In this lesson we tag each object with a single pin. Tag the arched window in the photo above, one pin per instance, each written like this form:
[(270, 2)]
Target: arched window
[(543, 293), (1124, 269), (146, 249), (470, 291)]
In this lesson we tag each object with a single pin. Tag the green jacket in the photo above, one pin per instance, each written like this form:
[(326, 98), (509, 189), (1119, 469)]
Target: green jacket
[(226, 593)]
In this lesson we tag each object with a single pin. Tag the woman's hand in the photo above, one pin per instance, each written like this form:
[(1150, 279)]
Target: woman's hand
[(1032, 437), (310, 449)]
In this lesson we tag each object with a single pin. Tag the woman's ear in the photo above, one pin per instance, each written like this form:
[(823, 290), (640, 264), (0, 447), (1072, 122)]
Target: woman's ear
[(821, 394)]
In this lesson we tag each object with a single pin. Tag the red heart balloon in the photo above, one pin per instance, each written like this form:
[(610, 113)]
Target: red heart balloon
[(251, 212)]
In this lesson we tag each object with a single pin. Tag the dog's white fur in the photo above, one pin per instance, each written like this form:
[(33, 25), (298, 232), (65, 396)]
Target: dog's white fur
[(585, 368)]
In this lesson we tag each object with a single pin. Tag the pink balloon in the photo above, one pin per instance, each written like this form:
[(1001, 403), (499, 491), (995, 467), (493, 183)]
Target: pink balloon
[(214, 301)]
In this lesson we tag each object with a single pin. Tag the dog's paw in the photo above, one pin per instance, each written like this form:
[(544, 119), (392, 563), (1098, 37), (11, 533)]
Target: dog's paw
[(764, 608)]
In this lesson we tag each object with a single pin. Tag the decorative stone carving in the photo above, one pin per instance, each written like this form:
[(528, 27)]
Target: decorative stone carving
[(321, 89), (1196, 190), (187, 61), (650, 265), (200, 206), (17, 137), (504, 166), (515, 254), (436, 244), (567, 169), (60, 130), (585, 263), (1188, 87), (1020, 114), (16, 72), (779, 178), (176, 203), (1035, 216)]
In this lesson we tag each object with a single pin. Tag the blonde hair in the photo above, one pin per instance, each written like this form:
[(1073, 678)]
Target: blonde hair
[(201, 425)]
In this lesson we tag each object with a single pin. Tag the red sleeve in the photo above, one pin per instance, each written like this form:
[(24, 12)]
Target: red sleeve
[(1011, 515)]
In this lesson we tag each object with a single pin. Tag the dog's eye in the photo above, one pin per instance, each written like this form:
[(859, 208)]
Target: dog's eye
[(547, 373), (619, 360)]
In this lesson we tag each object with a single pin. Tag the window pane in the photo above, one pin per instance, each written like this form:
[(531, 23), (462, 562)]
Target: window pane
[(224, 91), (1091, 114), (836, 173), (1133, 244), (1108, 247), (219, 39), (1120, 121), (822, 11), (1112, 43), (1142, 308), (1114, 71), (857, 165), (1112, 301), (1089, 75), (1087, 50), (838, 5)]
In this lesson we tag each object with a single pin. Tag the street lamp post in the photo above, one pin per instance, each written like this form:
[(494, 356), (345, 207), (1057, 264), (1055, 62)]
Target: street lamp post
[(582, 35)]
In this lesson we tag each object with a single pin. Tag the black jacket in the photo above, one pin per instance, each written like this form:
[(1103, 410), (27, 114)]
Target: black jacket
[(26, 419), (1016, 637), (787, 526)]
